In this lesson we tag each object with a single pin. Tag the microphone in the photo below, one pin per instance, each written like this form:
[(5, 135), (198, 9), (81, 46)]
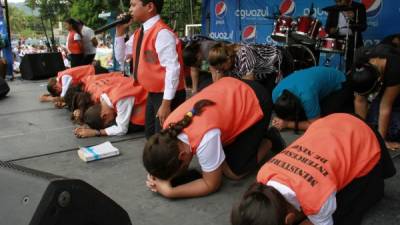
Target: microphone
[(124, 19)]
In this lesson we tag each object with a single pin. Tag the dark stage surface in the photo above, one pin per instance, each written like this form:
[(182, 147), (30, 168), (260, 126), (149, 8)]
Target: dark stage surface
[(38, 136)]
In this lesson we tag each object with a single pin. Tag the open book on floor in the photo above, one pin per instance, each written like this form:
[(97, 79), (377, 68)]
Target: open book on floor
[(97, 152)]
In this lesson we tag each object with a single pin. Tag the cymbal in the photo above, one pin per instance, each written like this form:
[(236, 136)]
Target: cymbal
[(337, 8)]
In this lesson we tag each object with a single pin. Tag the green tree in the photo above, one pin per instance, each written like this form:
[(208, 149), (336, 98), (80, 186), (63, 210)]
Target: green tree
[(22, 24), (177, 13)]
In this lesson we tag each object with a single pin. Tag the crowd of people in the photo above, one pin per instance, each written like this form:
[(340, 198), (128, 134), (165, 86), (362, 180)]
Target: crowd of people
[(242, 97)]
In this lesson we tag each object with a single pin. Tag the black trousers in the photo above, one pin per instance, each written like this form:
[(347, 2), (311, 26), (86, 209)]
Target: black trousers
[(341, 101), (363, 193), (350, 52), (241, 155), (154, 100), (76, 60), (88, 59)]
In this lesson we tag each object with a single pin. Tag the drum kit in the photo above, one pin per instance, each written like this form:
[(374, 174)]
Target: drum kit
[(305, 37)]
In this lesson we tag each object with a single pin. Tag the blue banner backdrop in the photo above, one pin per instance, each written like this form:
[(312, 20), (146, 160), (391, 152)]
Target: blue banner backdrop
[(246, 20), (7, 52)]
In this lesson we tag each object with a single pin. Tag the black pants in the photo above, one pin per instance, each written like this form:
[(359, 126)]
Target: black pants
[(364, 192), (350, 51), (154, 100), (205, 79), (241, 155), (88, 59), (341, 101), (76, 60)]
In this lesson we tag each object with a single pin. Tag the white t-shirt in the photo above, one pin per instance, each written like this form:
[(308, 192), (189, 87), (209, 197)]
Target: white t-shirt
[(66, 80), (323, 217), (210, 152), (88, 35)]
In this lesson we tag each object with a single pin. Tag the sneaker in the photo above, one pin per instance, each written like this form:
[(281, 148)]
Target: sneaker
[(278, 144)]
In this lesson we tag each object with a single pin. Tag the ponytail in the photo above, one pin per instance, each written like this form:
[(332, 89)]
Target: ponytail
[(70, 95), (161, 152), (174, 129), (260, 204), (81, 101)]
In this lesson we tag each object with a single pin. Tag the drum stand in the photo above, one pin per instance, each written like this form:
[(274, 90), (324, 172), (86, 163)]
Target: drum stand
[(347, 41), (346, 49), (355, 36)]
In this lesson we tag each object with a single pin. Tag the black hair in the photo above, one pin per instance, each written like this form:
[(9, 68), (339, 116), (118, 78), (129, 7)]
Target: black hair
[(161, 152), (75, 25), (364, 54), (92, 117), (158, 3), (70, 95), (51, 87), (190, 54), (289, 107), (260, 205), (364, 79)]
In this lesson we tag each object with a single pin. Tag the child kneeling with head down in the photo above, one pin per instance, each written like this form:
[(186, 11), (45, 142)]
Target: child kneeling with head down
[(121, 109), (58, 86), (331, 175), (224, 125)]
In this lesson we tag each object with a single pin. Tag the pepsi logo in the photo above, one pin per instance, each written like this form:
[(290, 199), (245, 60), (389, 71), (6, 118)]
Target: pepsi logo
[(373, 7), (287, 7), (221, 9), (249, 34)]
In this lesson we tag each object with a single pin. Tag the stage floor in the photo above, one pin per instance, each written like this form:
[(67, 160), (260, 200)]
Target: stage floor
[(38, 136)]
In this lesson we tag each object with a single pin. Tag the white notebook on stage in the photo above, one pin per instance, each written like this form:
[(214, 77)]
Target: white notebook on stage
[(97, 152)]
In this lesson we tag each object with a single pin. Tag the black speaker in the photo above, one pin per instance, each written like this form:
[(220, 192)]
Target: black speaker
[(31, 197), (41, 66)]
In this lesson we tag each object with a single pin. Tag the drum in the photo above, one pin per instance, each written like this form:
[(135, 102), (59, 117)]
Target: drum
[(307, 29), (296, 57), (331, 45), (282, 28)]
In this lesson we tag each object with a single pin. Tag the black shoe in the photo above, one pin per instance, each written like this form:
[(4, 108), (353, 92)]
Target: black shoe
[(278, 144), (188, 176)]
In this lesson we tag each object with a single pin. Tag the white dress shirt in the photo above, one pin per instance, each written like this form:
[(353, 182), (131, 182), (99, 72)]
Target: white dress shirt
[(124, 111), (210, 152), (343, 26), (166, 50), (66, 81)]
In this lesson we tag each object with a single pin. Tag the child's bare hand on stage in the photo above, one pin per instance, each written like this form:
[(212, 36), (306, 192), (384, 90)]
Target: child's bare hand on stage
[(45, 98), (59, 104), (83, 132), (157, 185), (279, 123)]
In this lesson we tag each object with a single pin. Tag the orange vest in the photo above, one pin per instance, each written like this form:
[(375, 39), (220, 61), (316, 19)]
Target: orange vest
[(151, 75), (96, 85), (73, 46), (77, 74), (236, 109), (334, 151), (121, 87)]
